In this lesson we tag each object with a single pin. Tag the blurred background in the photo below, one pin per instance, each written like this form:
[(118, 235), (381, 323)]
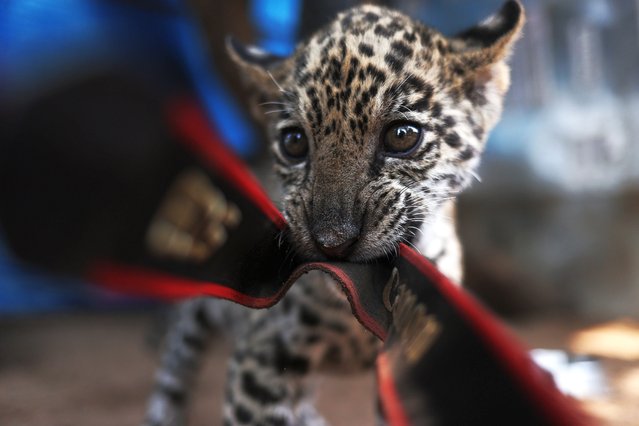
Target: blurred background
[(550, 235)]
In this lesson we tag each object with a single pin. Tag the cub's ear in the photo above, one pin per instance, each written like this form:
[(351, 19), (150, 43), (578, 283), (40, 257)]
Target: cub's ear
[(259, 71), (254, 63), (251, 57), (478, 59), (491, 40), (480, 52)]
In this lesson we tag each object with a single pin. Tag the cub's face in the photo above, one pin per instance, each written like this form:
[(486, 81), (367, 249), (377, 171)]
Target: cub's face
[(375, 122)]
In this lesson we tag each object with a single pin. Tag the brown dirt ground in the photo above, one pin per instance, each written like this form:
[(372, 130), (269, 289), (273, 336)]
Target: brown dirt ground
[(95, 369)]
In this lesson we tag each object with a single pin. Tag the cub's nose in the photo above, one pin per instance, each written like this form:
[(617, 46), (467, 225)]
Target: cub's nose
[(337, 244)]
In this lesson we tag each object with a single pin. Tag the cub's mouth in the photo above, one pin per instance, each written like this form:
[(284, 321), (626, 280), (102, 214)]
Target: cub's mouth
[(348, 242)]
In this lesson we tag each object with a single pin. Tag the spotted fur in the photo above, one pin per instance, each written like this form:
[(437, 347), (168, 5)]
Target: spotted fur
[(343, 87)]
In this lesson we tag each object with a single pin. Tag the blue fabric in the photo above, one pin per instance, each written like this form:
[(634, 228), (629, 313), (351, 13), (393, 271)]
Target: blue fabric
[(44, 41), (277, 24)]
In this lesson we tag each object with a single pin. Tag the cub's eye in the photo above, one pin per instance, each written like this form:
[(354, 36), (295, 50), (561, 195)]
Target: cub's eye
[(401, 139), (294, 143)]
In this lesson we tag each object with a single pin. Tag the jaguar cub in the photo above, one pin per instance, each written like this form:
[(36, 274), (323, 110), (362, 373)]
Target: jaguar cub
[(376, 123)]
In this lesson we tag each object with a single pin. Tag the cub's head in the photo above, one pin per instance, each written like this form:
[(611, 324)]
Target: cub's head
[(376, 121)]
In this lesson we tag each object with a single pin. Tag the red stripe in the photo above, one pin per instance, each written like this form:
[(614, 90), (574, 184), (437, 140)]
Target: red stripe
[(189, 121), (532, 380), (144, 282), (391, 403), (367, 320)]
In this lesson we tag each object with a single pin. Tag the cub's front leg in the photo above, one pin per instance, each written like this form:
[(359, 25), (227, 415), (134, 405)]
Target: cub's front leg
[(182, 352), (311, 330)]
